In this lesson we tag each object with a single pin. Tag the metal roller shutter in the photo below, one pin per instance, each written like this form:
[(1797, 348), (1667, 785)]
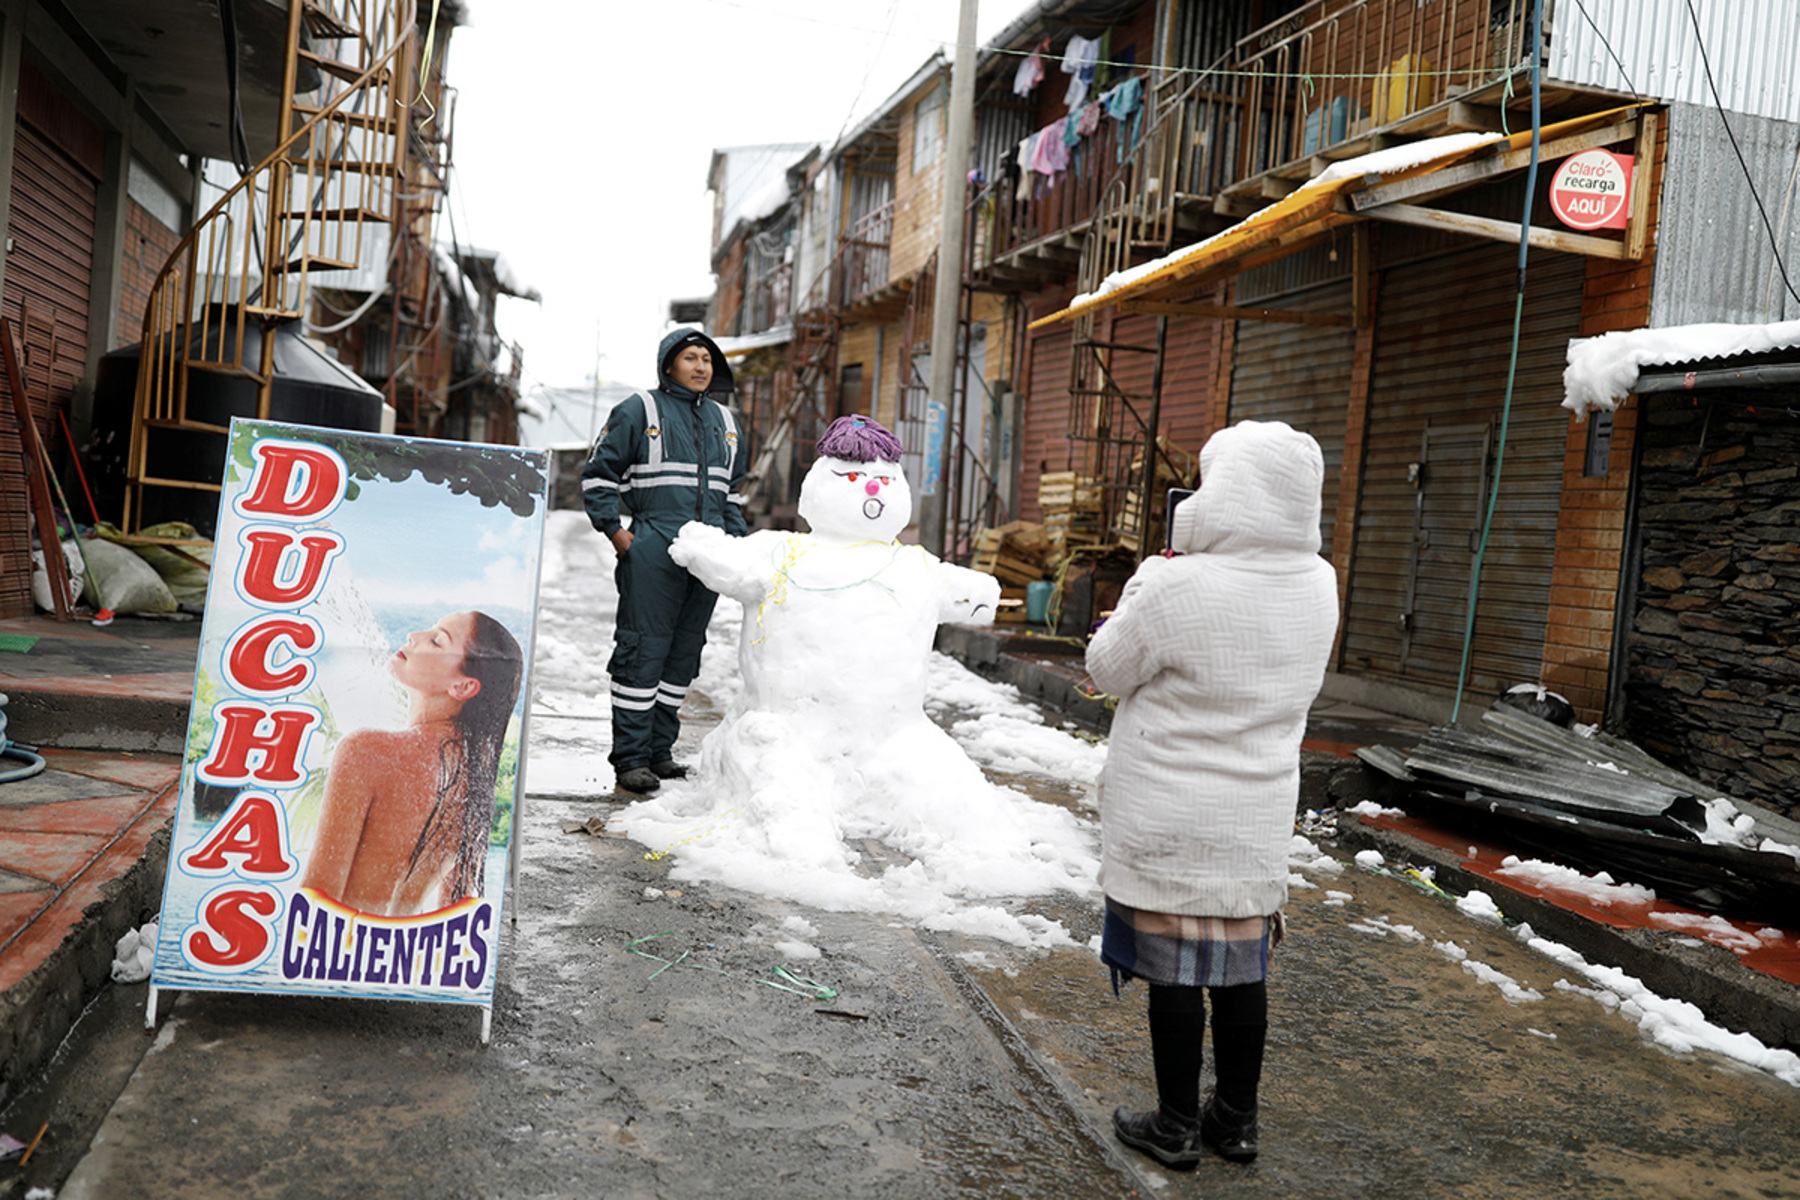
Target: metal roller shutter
[(51, 225), (1443, 338), (1046, 415), (1300, 374)]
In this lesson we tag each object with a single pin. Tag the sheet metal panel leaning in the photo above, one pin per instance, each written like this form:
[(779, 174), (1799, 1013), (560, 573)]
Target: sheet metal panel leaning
[(667, 456)]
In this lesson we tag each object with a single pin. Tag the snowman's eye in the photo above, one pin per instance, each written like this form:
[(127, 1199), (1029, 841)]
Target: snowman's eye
[(885, 479), (852, 476)]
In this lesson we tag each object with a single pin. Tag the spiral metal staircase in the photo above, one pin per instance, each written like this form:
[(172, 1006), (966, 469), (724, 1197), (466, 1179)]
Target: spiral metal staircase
[(312, 206)]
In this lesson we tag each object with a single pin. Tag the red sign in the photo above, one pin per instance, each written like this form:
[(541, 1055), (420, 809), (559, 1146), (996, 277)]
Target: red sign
[(1592, 190)]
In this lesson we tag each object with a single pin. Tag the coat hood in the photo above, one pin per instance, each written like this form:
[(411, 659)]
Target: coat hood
[(1261, 487), (672, 344)]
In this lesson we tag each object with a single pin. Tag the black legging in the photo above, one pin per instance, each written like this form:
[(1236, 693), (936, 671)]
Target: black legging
[(1240, 1024)]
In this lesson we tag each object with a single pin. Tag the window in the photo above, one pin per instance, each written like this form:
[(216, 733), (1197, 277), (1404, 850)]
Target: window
[(928, 129)]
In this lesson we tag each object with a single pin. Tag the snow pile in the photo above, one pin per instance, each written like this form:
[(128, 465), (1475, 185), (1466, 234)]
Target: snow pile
[(1512, 989), (1603, 370), (1479, 906), (1600, 889), (1673, 1024), (1714, 929)]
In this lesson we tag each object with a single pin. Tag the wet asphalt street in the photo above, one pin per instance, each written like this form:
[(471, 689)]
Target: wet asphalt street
[(945, 1065)]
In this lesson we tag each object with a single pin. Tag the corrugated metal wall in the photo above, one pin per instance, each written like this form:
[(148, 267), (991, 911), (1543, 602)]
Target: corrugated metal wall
[(1752, 47), (1442, 343), (1714, 257)]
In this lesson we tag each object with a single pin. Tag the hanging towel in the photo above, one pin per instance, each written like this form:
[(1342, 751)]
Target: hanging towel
[(1126, 103), (1029, 74), (1089, 119), (1027, 150), (1078, 63), (1049, 157)]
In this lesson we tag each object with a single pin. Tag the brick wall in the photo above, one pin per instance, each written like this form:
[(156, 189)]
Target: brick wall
[(1590, 534), (148, 244), (918, 194)]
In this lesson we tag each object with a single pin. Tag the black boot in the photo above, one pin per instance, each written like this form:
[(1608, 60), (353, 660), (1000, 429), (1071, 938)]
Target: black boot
[(1168, 1139), (668, 768), (1226, 1132), (641, 780)]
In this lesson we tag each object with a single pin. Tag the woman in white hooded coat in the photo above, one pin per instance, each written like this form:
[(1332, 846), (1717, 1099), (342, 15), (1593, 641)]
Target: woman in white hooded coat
[(1216, 655)]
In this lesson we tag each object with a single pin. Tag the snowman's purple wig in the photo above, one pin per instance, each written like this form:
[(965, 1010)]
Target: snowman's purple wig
[(859, 439)]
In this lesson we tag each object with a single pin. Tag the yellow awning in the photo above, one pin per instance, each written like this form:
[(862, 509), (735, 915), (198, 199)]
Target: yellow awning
[(1343, 197)]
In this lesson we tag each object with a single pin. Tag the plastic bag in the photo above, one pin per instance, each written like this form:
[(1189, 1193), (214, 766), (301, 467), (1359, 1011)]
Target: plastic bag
[(40, 576), (124, 582)]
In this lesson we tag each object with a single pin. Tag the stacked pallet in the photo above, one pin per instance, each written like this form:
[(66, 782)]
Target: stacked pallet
[(1075, 504), (1016, 554), (1174, 469)]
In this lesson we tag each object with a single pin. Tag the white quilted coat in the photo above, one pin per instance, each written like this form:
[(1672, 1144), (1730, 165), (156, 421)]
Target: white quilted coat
[(1216, 656)]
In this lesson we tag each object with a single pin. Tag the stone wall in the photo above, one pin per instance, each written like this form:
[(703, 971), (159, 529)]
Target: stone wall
[(1713, 684)]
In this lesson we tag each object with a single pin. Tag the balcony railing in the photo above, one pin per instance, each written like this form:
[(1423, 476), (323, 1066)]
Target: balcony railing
[(1326, 74), (1334, 69), (771, 299), (863, 255)]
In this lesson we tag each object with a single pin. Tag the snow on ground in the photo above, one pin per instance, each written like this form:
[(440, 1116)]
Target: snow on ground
[(1672, 1024), (570, 738)]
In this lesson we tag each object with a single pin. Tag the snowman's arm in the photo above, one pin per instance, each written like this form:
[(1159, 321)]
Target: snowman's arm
[(965, 596), (732, 566)]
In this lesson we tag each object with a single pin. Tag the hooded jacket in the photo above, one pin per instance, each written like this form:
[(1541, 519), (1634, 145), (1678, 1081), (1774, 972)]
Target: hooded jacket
[(669, 455), (1216, 656)]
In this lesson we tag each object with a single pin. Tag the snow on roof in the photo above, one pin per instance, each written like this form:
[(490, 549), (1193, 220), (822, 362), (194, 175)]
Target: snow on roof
[(1603, 370), (736, 347), (755, 180), (1379, 162)]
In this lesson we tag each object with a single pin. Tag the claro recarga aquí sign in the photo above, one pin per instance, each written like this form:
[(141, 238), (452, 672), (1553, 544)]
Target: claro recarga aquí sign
[(1592, 190), (355, 747)]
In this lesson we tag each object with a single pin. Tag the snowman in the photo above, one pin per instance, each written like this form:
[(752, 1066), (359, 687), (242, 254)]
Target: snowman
[(828, 740)]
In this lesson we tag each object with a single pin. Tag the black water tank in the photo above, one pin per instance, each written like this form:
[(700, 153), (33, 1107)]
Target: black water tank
[(310, 388)]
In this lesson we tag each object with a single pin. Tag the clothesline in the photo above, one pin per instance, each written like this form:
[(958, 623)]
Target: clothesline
[(1226, 73)]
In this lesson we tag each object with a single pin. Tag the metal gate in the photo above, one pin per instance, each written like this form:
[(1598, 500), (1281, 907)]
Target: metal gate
[(1443, 337), (56, 160), (1300, 374)]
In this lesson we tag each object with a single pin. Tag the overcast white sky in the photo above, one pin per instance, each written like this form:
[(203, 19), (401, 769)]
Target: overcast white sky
[(584, 131)]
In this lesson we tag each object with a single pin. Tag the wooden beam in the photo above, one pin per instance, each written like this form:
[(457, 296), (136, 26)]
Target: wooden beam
[(1232, 312), (1499, 231), (1362, 274), (1643, 175), (1476, 117), (1433, 184)]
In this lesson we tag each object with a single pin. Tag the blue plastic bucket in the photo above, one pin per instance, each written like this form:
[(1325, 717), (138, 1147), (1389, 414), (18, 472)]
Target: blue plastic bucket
[(1037, 600)]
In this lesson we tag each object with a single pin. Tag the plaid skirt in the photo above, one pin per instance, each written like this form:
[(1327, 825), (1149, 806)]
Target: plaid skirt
[(1182, 951)]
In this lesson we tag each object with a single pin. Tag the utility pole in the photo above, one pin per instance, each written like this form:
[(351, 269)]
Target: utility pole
[(934, 510)]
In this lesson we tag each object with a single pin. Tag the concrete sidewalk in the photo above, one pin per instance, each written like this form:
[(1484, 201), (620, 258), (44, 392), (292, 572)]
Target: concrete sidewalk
[(84, 843)]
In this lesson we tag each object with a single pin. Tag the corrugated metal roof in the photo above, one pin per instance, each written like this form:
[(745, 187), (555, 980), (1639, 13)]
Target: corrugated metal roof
[(1749, 44), (1714, 260)]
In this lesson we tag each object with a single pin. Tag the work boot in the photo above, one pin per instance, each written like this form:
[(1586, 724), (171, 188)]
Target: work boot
[(1168, 1139), (1226, 1132), (668, 768), (641, 780)]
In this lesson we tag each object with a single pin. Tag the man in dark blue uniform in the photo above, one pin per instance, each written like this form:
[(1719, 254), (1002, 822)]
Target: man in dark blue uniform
[(666, 457)]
